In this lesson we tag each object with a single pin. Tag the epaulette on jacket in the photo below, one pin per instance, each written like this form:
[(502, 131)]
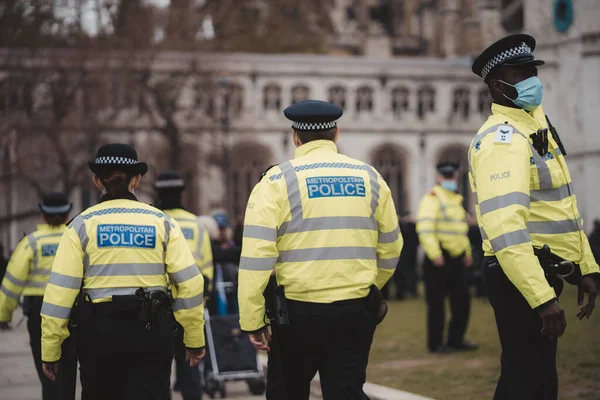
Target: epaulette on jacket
[(267, 170)]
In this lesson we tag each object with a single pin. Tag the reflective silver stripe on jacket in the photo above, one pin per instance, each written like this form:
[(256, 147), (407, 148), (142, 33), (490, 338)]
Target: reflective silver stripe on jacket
[(199, 254), (33, 244), (102, 293), (187, 303), (34, 284), (65, 281), (556, 194), (553, 227), (13, 280), (52, 310), (389, 237), (39, 272), (133, 269), (167, 223), (387, 263), (260, 232), (8, 293), (79, 226), (299, 224), (498, 202), (185, 274), (258, 264), (328, 253), (510, 239)]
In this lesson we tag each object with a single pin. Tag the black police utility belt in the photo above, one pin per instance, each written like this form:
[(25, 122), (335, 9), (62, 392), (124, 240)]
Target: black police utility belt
[(556, 268), (150, 307), (277, 310)]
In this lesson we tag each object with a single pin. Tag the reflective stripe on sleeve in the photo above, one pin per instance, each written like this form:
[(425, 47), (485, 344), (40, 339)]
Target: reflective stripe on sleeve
[(387, 263), (34, 284), (52, 310), (187, 303), (39, 272), (498, 202), (185, 274), (65, 281), (260, 232), (258, 264), (125, 269), (8, 293), (441, 232), (389, 237), (510, 239), (553, 227), (101, 293), (328, 253), (33, 244), (556, 194), (79, 226), (14, 280)]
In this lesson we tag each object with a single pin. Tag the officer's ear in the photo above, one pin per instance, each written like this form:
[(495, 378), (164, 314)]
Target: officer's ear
[(296, 139), (337, 131), (135, 182), (98, 183)]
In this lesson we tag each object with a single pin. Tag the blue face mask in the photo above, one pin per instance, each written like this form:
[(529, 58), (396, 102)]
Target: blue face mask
[(529, 93), (450, 185)]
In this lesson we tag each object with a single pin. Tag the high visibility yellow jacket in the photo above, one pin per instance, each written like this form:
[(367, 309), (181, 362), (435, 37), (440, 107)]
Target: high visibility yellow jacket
[(326, 223), (197, 239), (117, 247), (441, 224), (29, 268), (525, 200)]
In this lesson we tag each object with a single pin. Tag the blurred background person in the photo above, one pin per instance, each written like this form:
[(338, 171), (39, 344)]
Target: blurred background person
[(3, 262), (442, 229)]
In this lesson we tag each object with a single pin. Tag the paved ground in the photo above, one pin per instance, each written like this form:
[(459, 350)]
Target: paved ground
[(19, 380)]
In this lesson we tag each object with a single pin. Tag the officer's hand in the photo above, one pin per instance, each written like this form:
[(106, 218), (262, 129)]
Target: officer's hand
[(468, 261), (553, 320), (439, 262), (194, 356), (50, 370), (260, 339), (4, 326), (586, 285)]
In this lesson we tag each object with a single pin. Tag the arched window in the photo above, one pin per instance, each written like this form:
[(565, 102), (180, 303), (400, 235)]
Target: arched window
[(425, 101), (390, 164), (203, 97), (460, 102), (484, 102), (248, 162), (272, 97), (300, 93), (235, 98), (364, 99), (400, 101), (337, 96)]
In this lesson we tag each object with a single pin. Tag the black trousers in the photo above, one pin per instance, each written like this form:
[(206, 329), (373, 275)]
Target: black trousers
[(449, 280), (187, 378), (528, 370), (333, 339), (121, 359), (64, 386)]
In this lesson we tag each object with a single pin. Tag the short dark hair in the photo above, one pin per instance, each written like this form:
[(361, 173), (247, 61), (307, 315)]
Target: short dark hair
[(309, 136), (55, 219)]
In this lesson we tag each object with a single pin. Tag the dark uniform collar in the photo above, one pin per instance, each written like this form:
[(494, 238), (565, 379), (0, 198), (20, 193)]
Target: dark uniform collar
[(108, 197)]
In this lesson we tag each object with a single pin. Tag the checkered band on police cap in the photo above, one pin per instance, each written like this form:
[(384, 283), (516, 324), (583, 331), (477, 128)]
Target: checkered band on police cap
[(316, 126), (169, 184), (116, 160), (503, 56), (55, 209)]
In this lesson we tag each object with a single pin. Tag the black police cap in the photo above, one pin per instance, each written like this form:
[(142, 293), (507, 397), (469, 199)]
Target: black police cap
[(313, 115), (117, 157), (55, 203), (512, 50), (169, 180), (447, 168)]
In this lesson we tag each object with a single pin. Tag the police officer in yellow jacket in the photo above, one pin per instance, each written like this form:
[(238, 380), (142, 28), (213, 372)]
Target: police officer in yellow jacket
[(28, 272), (327, 225), (442, 229), (116, 257), (525, 200), (169, 187)]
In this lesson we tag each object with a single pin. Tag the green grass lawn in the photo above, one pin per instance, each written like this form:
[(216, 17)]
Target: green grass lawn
[(399, 358)]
